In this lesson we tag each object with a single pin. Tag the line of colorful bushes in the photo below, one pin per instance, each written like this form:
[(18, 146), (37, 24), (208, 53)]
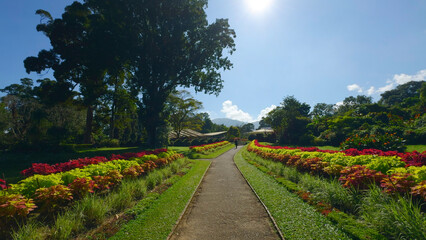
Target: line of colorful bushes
[(410, 158), (50, 192), (358, 172), (45, 169), (208, 147)]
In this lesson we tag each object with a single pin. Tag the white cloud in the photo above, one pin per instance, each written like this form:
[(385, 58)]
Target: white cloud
[(398, 79), (265, 111), (354, 87), (388, 87), (404, 78), (371, 91), (233, 112)]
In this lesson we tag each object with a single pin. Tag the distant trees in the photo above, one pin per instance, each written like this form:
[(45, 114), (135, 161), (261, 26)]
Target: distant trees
[(290, 120), (208, 126), (233, 132), (328, 124), (402, 94), (246, 128), (29, 119)]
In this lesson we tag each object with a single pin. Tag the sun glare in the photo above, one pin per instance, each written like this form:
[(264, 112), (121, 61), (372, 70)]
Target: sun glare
[(258, 6)]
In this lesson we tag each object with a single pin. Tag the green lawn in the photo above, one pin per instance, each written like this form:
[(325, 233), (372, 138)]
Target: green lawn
[(418, 148), (295, 218), (157, 220)]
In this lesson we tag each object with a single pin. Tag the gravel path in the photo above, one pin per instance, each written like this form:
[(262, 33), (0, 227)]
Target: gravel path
[(224, 207)]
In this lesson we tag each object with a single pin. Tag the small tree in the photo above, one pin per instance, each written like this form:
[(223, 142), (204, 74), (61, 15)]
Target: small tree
[(233, 132), (182, 107)]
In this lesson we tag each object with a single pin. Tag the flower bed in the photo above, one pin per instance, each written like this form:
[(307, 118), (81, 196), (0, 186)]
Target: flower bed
[(355, 169), (51, 187), (209, 147), (45, 169)]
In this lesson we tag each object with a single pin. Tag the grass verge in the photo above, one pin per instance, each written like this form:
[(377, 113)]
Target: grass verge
[(156, 220), (295, 218), (418, 148)]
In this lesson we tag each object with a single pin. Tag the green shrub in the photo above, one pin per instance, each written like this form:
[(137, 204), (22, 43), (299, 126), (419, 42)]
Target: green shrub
[(395, 218), (120, 200), (66, 225), (93, 210), (153, 179), (29, 231), (109, 143), (385, 142)]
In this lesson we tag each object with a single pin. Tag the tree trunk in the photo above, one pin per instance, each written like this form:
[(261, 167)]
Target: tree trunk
[(112, 122), (89, 125), (154, 107)]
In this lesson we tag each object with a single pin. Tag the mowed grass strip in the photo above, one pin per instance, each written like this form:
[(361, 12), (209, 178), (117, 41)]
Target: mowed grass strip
[(158, 220), (295, 218)]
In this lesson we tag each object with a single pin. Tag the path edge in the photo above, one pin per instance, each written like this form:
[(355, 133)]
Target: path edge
[(189, 201), (258, 198)]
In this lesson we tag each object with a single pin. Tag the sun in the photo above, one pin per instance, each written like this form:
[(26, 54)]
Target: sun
[(258, 6)]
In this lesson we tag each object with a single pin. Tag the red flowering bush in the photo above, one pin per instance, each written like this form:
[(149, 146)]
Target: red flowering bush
[(419, 190), (39, 168), (397, 183), (3, 184), (81, 186), (133, 172), (115, 176), (15, 205), (52, 198), (414, 159), (148, 166), (313, 165), (359, 177), (386, 142), (46, 169), (103, 183), (293, 160)]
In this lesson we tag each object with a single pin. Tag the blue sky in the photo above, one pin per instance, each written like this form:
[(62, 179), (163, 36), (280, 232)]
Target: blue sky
[(318, 51)]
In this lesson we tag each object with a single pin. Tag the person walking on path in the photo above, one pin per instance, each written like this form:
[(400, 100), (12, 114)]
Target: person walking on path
[(236, 142)]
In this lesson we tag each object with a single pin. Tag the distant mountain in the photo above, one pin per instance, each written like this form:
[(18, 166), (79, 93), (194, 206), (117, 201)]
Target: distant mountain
[(256, 124), (230, 122)]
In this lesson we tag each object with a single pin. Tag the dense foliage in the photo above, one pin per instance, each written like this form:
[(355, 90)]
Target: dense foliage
[(398, 118)]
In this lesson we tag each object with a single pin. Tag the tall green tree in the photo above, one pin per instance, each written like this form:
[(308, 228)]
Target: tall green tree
[(183, 107), (80, 54), (322, 110), (170, 44)]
